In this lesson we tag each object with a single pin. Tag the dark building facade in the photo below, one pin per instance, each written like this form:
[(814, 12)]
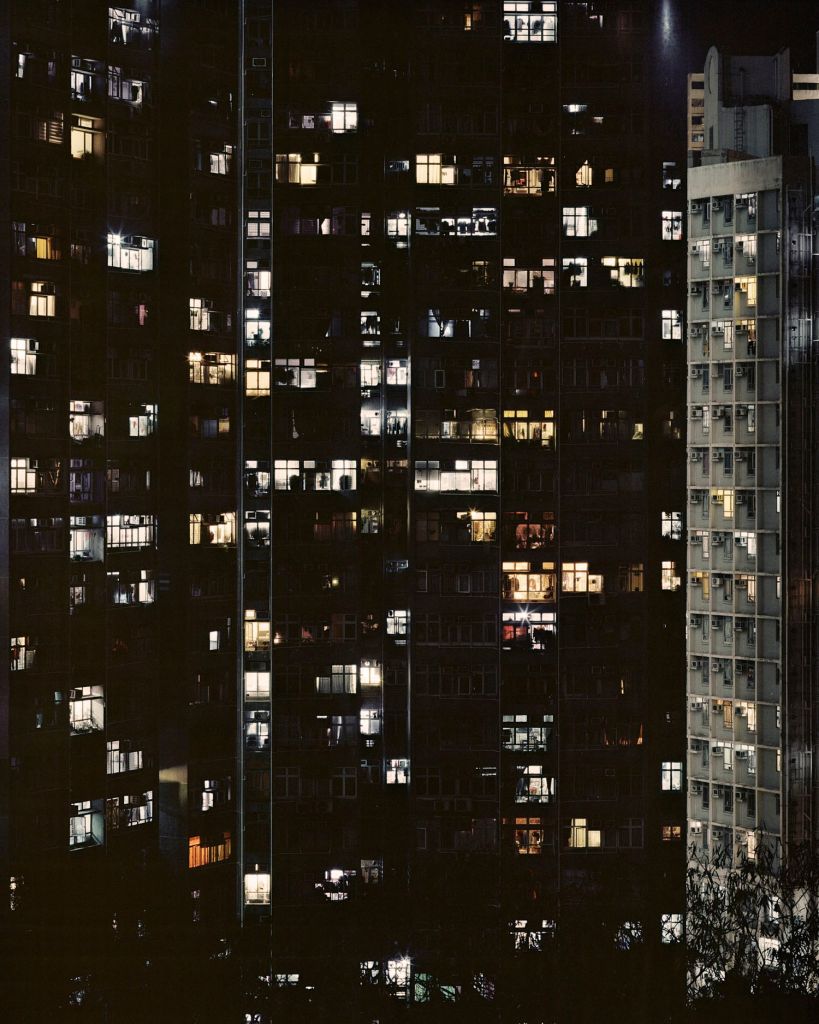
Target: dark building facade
[(119, 547), (375, 310), (464, 493)]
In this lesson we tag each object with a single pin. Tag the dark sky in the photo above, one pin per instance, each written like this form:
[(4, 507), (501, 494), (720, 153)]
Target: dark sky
[(753, 26)]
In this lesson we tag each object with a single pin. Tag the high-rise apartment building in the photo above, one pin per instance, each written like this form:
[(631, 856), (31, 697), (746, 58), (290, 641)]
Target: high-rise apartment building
[(119, 496), (463, 495), (751, 473)]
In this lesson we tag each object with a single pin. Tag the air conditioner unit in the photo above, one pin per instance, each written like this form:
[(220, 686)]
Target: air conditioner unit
[(696, 539), (740, 626), (695, 249), (717, 581), (740, 499), (717, 540), (741, 584), (716, 624), (742, 410), (694, 373), (740, 371), (740, 456), (696, 413), (715, 665), (740, 796), (696, 621), (717, 455), (695, 457), (719, 412), (716, 205), (740, 711), (696, 665)]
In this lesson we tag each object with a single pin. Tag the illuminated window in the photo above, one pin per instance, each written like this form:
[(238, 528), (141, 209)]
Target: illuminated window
[(85, 825), (725, 497), (528, 176), (746, 540), (524, 581), (212, 528), (671, 525), (131, 252), (130, 810), (672, 225), (746, 286), (144, 422), (576, 579), (397, 771), (24, 356), (258, 283), (528, 630), (581, 837), (42, 299), (87, 139), (528, 22), (671, 324), (202, 853), (398, 227), (672, 928), (428, 170), (257, 685), (296, 169), (257, 377), (130, 531), (129, 90), (86, 709), (200, 310), (671, 776), (120, 758), (211, 367), (529, 835), (219, 161), (527, 732), (584, 176), (343, 117), (532, 785), (257, 889), (671, 833), (258, 224), (578, 222), (625, 272), (671, 175), (339, 679), (398, 624), (461, 475), (521, 425), (576, 271), (529, 280), (669, 578)]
